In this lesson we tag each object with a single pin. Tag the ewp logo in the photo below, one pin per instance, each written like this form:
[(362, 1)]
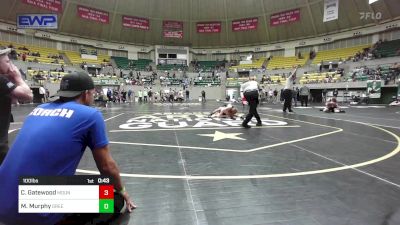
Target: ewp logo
[(37, 21)]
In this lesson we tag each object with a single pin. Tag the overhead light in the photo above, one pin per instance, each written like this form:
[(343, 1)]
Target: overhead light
[(372, 1)]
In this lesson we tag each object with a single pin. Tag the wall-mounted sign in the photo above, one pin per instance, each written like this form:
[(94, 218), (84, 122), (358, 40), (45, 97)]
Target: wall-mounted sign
[(52, 5), (37, 21), (285, 17), (208, 27), (245, 24), (136, 22), (173, 29), (93, 14)]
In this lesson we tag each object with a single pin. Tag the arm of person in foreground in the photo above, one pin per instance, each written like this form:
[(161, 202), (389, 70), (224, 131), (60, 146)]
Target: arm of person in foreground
[(107, 166), (22, 91)]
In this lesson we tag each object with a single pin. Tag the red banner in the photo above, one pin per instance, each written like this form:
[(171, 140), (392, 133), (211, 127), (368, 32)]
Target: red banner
[(245, 24), (136, 22), (93, 14), (52, 5), (173, 29), (208, 27), (285, 17)]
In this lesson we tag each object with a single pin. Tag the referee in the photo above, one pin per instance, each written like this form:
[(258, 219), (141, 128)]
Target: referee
[(249, 90), (288, 92)]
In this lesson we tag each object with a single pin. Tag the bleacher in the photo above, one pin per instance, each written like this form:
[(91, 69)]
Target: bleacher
[(125, 63), (208, 66), (337, 54), (44, 52), (318, 77), (141, 64), (279, 62), (386, 71), (388, 48), (257, 64), (278, 79), (75, 58), (236, 82), (51, 76), (121, 62), (168, 81), (42, 76), (166, 67), (358, 77), (207, 82)]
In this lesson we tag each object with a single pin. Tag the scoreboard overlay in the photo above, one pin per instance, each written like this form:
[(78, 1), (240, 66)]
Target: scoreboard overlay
[(65, 194)]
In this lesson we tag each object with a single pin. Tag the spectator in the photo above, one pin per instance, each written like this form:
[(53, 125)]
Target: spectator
[(312, 54), (130, 95), (335, 93), (145, 93), (13, 55), (321, 65), (42, 93), (263, 79), (295, 92), (324, 93), (304, 94), (150, 94), (23, 57), (140, 95)]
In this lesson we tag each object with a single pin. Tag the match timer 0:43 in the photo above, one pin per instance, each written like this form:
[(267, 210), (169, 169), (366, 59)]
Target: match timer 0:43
[(65, 194)]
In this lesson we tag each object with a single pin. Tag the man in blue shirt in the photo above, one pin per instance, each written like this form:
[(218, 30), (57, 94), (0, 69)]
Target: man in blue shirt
[(51, 142)]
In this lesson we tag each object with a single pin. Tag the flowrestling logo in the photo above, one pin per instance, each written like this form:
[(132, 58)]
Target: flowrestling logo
[(37, 21)]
